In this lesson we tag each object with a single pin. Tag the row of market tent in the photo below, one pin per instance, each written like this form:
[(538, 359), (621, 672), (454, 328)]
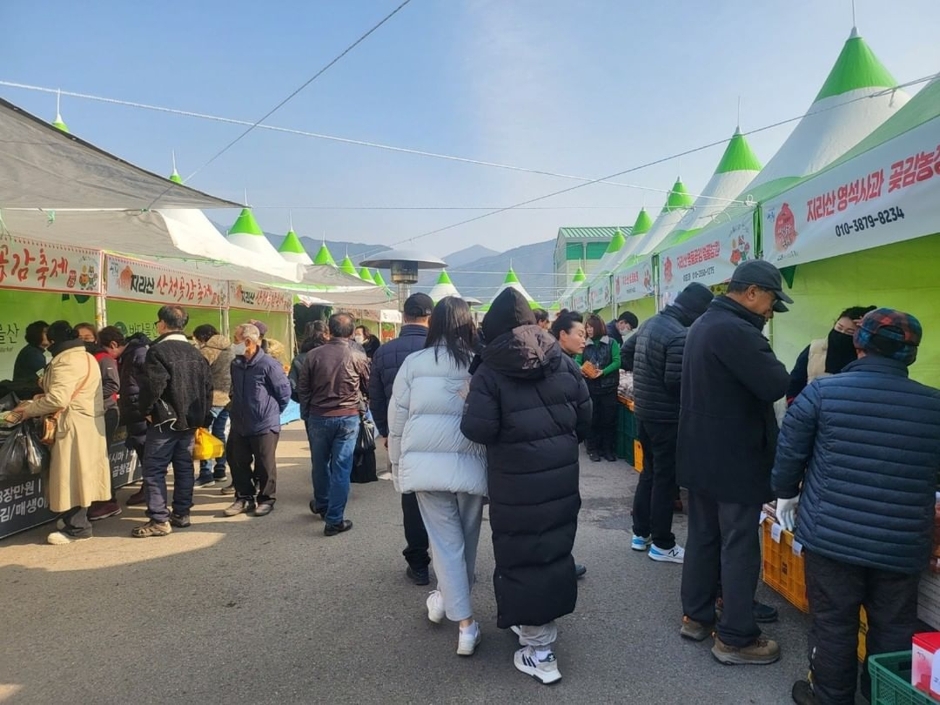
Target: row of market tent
[(848, 208)]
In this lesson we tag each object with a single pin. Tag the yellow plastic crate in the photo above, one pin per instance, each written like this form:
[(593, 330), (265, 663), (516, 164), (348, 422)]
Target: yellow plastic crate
[(784, 569)]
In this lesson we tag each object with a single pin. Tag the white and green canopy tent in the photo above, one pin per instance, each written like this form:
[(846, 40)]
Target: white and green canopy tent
[(246, 233), (857, 96), (512, 282), (324, 258), (599, 286), (629, 276), (577, 281), (366, 275), (677, 205), (293, 250), (443, 288), (865, 232)]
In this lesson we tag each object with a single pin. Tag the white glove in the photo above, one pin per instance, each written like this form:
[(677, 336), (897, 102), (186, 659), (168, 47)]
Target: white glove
[(786, 512)]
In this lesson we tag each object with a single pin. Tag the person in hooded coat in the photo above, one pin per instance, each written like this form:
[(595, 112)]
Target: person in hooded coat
[(529, 405)]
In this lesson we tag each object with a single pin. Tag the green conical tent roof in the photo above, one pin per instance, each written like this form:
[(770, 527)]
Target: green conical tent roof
[(347, 266), (324, 256), (379, 279), (579, 276), (643, 223), (444, 278), (60, 123), (291, 243), (174, 177), (857, 67), (616, 242), (511, 277), (678, 198), (246, 224), (366, 275), (738, 156)]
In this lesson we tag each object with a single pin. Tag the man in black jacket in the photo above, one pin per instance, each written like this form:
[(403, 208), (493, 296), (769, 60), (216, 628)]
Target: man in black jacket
[(385, 364), (176, 399), (727, 435), (657, 372)]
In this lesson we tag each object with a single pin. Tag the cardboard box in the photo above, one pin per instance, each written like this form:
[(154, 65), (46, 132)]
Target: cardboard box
[(925, 663)]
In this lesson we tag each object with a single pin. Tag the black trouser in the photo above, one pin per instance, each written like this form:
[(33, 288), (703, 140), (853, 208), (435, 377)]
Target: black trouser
[(654, 501), (76, 521), (836, 590), (603, 436), (241, 451), (112, 418), (416, 536), (723, 545)]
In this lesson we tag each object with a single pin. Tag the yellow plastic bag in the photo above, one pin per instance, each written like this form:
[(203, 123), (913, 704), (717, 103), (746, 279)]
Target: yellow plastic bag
[(207, 446)]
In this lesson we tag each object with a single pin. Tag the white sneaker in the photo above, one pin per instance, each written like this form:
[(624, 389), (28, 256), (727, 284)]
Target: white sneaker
[(676, 554), (58, 538), (545, 670), (435, 605), (641, 543), (469, 639)]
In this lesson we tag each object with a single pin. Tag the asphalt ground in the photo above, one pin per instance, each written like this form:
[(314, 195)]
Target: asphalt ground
[(265, 610)]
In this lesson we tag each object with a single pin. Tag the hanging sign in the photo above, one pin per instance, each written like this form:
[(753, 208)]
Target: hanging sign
[(142, 281), (579, 299), (258, 297), (39, 266), (634, 282), (709, 257), (599, 293), (888, 194)]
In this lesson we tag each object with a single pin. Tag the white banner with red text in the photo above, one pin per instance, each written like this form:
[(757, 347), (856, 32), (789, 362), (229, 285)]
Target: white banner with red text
[(634, 282), (38, 266), (133, 280)]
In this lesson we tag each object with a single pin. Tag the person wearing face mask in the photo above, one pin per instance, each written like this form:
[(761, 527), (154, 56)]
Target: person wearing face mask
[(724, 453), (827, 356), (260, 393), (624, 327), (369, 342)]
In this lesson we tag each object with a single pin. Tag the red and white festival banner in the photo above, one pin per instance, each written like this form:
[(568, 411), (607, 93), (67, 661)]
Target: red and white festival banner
[(709, 257), (599, 293), (261, 298), (635, 282), (888, 194), (38, 266), (133, 280)]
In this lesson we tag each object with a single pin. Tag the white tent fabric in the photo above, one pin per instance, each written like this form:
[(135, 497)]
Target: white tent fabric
[(372, 297), (44, 167), (166, 236), (442, 291)]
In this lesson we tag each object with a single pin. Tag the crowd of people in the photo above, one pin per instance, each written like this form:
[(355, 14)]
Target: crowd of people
[(495, 416)]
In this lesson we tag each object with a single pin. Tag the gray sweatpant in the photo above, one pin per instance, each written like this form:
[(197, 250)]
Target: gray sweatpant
[(540, 637), (453, 523)]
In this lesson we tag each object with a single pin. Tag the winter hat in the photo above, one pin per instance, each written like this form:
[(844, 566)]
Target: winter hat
[(890, 333), (694, 299), (262, 328), (509, 310)]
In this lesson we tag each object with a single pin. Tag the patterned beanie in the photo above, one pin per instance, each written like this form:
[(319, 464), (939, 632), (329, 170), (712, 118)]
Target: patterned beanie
[(890, 333)]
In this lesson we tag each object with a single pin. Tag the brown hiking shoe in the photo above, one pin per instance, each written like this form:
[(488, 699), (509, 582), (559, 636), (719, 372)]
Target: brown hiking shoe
[(696, 631), (759, 652), (152, 528)]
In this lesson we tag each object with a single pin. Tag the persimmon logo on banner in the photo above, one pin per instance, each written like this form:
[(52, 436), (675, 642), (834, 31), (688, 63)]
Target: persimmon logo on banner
[(784, 228)]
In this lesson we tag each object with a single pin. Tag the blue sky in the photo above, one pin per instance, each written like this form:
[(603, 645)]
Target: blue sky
[(585, 88)]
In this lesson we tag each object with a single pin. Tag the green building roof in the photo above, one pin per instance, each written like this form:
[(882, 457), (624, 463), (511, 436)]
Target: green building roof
[(589, 233)]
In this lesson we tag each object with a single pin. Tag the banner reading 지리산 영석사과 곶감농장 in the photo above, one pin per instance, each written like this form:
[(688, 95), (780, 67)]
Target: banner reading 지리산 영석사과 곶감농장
[(888, 194)]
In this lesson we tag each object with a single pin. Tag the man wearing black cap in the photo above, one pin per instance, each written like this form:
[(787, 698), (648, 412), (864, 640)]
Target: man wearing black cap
[(385, 364), (727, 435), (864, 446), (657, 373)]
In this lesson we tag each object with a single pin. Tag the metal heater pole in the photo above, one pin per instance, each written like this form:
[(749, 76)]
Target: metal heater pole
[(404, 291)]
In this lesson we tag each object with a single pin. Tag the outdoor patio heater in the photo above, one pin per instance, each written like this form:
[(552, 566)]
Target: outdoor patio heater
[(404, 266)]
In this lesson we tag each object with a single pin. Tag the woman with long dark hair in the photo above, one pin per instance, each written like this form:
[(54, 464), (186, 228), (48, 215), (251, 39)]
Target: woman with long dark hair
[(600, 365), (433, 459)]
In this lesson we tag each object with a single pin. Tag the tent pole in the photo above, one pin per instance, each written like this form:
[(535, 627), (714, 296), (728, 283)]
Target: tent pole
[(101, 313)]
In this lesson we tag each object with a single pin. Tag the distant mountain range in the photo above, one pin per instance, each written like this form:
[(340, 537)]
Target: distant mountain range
[(476, 270)]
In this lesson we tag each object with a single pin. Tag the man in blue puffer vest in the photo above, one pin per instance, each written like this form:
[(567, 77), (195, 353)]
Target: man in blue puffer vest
[(865, 445)]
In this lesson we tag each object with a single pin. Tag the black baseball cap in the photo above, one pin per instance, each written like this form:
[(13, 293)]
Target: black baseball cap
[(763, 274), (418, 306)]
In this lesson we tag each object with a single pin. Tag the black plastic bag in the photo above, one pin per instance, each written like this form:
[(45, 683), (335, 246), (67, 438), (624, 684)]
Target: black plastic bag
[(366, 440), (22, 454), (364, 469)]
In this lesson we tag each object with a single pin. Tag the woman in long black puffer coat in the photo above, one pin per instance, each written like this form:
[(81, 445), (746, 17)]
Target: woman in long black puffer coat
[(529, 405)]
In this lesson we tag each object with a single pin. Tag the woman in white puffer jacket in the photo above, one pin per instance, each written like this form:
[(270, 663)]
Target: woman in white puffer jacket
[(433, 459)]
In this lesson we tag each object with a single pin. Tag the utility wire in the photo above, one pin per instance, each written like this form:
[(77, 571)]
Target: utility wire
[(290, 97)]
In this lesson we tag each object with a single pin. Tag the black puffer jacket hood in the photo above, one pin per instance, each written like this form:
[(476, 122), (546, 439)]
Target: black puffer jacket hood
[(526, 352), (509, 310)]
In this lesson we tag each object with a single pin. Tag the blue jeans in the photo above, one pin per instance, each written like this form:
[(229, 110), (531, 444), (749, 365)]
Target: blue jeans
[(332, 444), (162, 448), (219, 422)]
